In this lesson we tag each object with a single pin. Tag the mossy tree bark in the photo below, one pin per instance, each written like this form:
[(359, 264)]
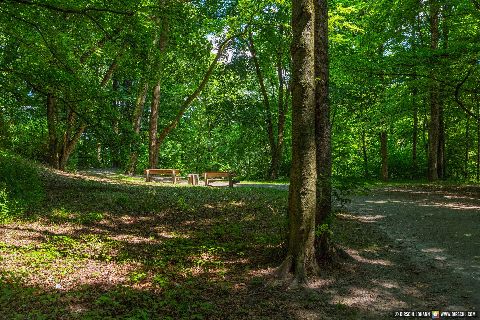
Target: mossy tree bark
[(322, 129), (301, 258)]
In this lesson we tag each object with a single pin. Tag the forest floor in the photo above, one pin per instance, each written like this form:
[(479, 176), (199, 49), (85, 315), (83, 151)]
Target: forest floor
[(105, 246), (437, 229)]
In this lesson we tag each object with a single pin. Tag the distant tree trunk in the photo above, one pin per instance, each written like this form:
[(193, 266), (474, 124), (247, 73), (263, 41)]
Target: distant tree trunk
[(434, 128), (281, 118), (188, 101), (70, 139), (365, 156), (61, 149), (384, 154), (268, 113), (115, 142), (442, 171), (478, 149), (152, 145), (415, 132), (478, 138), (52, 130), (467, 147), (301, 258), (136, 122), (322, 128)]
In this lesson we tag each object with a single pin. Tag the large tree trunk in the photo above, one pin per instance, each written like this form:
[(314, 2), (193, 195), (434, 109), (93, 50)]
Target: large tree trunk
[(384, 155), (136, 122), (434, 128), (322, 127), (153, 145), (301, 258)]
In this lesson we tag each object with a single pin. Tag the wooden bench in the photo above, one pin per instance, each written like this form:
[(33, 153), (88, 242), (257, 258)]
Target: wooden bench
[(170, 172), (218, 176)]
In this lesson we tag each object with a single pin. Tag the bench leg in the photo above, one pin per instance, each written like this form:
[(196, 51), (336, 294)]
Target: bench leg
[(230, 182), (147, 179), (174, 178)]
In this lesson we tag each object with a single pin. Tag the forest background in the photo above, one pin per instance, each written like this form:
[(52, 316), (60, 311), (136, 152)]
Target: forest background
[(205, 85)]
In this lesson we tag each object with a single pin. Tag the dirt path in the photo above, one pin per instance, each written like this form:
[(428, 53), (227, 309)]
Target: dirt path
[(438, 228)]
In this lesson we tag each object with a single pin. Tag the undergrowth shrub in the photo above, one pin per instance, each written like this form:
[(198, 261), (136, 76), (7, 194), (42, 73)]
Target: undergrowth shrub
[(21, 188)]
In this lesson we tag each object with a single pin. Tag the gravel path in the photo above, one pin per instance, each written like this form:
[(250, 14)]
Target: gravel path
[(436, 227)]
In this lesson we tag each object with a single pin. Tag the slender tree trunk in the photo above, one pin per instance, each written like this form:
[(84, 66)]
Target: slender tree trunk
[(442, 171), (282, 111), (478, 138), (441, 146), (188, 101), (268, 113), (467, 148), (365, 156), (71, 137), (301, 258), (478, 150), (52, 130), (434, 128), (384, 154), (322, 128), (153, 145), (137, 122), (415, 132), (115, 142)]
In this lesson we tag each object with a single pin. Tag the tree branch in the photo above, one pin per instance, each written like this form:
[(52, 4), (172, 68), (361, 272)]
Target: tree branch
[(194, 95), (457, 94), (82, 11)]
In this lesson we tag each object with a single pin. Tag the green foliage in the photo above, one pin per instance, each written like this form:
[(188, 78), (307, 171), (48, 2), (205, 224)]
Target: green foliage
[(21, 188)]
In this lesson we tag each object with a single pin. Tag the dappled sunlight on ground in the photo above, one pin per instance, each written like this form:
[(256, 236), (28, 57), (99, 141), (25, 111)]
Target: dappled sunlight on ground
[(119, 249), (437, 227), (355, 255)]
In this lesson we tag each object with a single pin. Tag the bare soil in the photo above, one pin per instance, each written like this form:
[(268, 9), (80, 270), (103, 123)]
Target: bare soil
[(438, 229)]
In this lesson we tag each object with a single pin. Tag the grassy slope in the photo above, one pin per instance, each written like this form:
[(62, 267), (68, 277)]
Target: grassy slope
[(113, 248)]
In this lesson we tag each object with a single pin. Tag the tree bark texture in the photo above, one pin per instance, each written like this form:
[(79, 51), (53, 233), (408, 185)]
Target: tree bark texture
[(434, 127), (322, 126), (302, 192)]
